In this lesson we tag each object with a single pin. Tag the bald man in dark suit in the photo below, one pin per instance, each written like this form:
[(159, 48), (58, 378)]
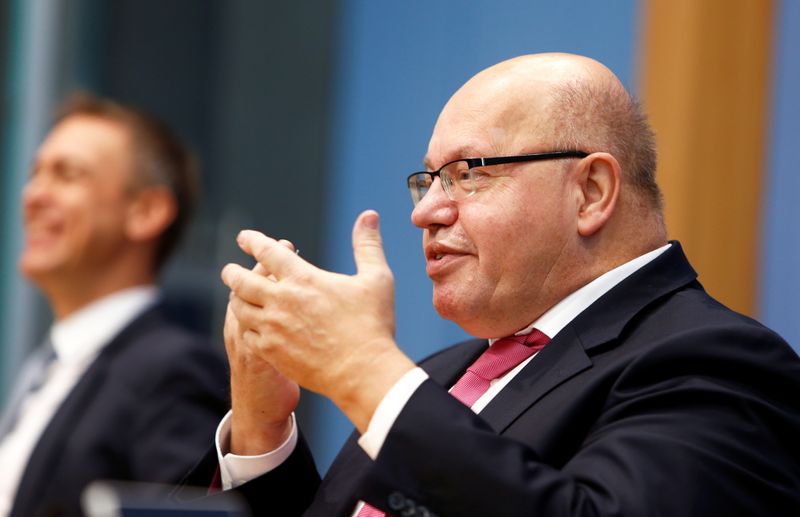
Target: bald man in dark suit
[(604, 380)]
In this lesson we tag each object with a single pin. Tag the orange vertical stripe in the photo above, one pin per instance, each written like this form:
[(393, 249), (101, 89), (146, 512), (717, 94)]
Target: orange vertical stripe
[(705, 84)]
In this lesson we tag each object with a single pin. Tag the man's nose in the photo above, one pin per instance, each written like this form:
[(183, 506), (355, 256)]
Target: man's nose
[(435, 208), (35, 189)]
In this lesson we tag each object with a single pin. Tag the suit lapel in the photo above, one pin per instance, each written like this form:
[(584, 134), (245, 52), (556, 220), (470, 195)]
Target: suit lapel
[(46, 455), (447, 366), (39, 471), (561, 359), (558, 361), (606, 319)]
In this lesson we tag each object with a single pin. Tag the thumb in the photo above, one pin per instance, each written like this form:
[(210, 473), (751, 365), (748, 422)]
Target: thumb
[(367, 243)]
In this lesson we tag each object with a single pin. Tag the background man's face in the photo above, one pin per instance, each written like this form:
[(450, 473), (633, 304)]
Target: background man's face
[(75, 201)]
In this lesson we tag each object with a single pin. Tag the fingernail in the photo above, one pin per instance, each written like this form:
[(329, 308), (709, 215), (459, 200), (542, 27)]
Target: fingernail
[(225, 274), (371, 220)]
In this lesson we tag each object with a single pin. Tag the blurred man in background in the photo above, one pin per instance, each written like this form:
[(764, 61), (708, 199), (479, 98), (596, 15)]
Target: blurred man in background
[(117, 391)]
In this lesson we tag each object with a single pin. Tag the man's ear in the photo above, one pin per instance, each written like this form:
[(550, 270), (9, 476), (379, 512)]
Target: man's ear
[(150, 213), (600, 177)]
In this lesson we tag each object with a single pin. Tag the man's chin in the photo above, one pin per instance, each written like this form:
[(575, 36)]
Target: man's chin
[(36, 268), (450, 306)]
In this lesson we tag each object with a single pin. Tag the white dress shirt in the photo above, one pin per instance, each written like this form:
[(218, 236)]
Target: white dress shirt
[(236, 470), (77, 340)]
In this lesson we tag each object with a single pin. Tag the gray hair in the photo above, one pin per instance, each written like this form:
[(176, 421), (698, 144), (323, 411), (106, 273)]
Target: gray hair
[(605, 117)]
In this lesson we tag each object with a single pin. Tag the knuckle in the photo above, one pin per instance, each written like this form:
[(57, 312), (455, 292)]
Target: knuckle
[(263, 251), (382, 276)]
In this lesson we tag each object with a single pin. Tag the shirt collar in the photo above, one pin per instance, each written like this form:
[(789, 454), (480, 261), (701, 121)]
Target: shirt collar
[(559, 315), (83, 334)]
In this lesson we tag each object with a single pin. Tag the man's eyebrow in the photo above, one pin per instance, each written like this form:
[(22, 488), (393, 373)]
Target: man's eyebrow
[(465, 151)]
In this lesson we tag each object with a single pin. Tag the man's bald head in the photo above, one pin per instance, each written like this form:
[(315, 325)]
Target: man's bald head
[(562, 101)]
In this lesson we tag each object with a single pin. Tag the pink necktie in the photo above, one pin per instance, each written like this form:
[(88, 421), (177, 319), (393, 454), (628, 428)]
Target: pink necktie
[(494, 362), (370, 511)]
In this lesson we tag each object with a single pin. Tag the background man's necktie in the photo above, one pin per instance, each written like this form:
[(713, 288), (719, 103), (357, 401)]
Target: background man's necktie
[(32, 375), (500, 358)]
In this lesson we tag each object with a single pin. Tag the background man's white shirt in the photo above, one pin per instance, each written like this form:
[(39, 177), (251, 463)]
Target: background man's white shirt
[(77, 340)]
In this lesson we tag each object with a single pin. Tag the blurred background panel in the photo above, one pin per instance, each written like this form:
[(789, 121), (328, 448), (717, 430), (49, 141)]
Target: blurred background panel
[(306, 113)]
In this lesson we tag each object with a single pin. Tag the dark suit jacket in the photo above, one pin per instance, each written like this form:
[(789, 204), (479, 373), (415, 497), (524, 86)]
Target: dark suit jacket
[(145, 410), (656, 400)]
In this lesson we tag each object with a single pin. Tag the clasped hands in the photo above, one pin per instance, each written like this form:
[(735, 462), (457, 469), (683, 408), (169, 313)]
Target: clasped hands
[(290, 323)]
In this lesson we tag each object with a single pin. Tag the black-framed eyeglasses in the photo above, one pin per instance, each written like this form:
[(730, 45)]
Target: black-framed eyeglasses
[(462, 178)]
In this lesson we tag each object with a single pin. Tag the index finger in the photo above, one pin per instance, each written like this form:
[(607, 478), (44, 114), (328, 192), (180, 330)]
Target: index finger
[(258, 268), (273, 256)]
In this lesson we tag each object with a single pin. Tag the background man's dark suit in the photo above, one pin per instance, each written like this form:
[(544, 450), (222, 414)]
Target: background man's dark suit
[(155, 385), (655, 377)]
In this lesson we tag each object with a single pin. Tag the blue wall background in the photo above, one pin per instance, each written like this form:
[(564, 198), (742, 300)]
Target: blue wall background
[(398, 63), (780, 252)]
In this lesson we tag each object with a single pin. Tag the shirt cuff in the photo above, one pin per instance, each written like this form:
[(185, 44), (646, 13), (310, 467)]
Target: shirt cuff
[(387, 411), (237, 470)]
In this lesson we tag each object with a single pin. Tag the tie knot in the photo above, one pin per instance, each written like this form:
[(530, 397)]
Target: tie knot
[(506, 353)]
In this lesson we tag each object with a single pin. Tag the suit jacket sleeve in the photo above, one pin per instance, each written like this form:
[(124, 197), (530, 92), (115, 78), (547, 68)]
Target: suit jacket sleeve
[(185, 399)]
